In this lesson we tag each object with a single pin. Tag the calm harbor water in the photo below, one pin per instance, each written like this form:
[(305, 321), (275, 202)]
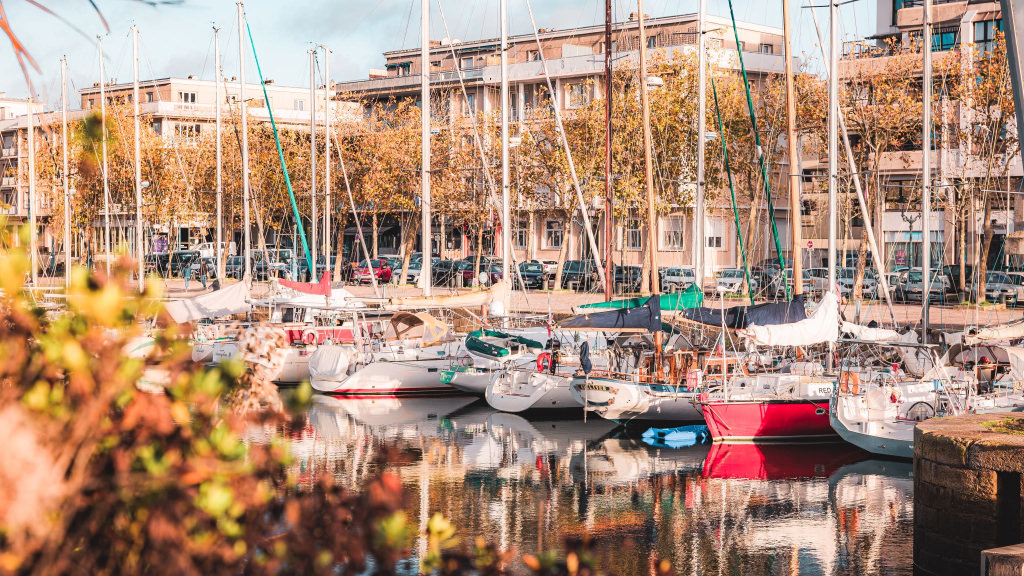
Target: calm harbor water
[(527, 482)]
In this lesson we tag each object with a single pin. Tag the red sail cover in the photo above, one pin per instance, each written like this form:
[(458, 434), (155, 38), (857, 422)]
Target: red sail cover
[(323, 287)]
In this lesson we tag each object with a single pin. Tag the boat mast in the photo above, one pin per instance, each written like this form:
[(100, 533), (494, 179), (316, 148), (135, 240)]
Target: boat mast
[(312, 161), (794, 177), (926, 167), (64, 158), (609, 199), (506, 217), (425, 276), (648, 164), (698, 241), (139, 241), (327, 162), (219, 251), (33, 241), (106, 178), (245, 139), (833, 152)]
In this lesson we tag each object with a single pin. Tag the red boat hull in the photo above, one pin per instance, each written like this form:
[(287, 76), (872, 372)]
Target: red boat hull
[(768, 420)]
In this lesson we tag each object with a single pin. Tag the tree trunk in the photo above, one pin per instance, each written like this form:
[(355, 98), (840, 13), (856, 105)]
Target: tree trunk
[(408, 240), (441, 248), (986, 243), (531, 241), (339, 256), (563, 251), (479, 252), (961, 233), (374, 235)]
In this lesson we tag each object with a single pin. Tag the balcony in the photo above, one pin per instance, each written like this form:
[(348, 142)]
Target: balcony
[(9, 152), (8, 182)]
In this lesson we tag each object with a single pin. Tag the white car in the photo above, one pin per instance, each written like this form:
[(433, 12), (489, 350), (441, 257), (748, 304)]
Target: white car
[(845, 279), (730, 281), (206, 249), (1000, 285), (677, 279), (912, 286), (549, 267)]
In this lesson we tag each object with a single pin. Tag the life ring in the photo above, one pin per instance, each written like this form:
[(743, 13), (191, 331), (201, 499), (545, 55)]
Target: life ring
[(543, 361), (849, 382), (309, 336)]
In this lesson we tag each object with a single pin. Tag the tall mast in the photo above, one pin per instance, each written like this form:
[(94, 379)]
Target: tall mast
[(139, 249), (926, 167), (652, 246), (64, 174), (245, 140), (506, 218), (609, 199), (312, 159), (698, 210), (220, 169), (794, 176), (425, 277), (106, 178), (33, 241), (327, 161), (833, 144)]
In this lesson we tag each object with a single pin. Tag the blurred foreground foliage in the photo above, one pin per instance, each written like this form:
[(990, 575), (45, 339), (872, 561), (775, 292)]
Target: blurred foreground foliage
[(123, 456)]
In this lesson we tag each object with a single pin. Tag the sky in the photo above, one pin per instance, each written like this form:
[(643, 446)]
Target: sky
[(176, 36)]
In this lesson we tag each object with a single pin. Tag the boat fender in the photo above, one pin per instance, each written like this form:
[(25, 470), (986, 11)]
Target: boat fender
[(849, 383), (543, 361), (693, 379), (309, 336)]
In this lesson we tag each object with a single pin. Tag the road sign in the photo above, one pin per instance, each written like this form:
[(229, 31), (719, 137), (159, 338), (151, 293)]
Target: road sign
[(810, 244)]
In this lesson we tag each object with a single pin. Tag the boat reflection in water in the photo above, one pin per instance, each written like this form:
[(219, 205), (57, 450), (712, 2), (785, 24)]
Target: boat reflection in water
[(526, 482)]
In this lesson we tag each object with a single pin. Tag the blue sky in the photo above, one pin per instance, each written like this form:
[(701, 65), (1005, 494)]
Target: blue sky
[(176, 37)]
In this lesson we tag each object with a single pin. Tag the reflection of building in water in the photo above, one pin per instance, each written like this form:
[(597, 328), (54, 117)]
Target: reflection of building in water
[(527, 483)]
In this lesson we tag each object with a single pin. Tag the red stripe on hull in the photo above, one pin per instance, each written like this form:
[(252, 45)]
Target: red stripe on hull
[(768, 420)]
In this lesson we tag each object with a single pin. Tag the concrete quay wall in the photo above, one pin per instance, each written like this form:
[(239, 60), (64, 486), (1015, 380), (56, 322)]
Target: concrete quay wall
[(968, 494)]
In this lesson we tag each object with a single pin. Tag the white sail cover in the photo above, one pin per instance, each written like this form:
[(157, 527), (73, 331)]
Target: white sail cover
[(223, 302), (330, 362), (870, 334), (1001, 333), (821, 326), (499, 292)]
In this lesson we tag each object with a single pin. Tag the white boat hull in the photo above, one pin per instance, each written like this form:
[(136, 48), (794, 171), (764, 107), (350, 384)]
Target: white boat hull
[(384, 378), (519, 390), (621, 400)]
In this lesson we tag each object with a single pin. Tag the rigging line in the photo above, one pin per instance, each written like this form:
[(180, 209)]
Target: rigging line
[(280, 153), (352, 203), (408, 20), (760, 153), (732, 192)]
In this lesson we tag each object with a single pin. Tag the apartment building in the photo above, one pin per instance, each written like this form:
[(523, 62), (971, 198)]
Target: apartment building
[(575, 65), (964, 28), (179, 109)]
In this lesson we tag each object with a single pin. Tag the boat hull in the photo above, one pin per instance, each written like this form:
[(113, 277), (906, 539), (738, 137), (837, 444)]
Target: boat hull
[(468, 379), (768, 420), (623, 400), (519, 390), (383, 378)]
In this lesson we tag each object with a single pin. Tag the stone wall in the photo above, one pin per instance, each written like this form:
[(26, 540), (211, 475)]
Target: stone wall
[(967, 492)]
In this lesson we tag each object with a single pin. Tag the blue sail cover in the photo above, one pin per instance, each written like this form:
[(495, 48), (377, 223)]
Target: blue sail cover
[(646, 318), (738, 317)]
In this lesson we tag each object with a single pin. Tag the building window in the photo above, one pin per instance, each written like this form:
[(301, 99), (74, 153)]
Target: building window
[(578, 95), (715, 242), (187, 131), (765, 48), (519, 233), (403, 69), (187, 97), (652, 42), (633, 235), (985, 34), (470, 104), (553, 234), (92, 102), (300, 105), (715, 43), (532, 55), (149, 96), (945, 38), (673, 233), (466, 63)]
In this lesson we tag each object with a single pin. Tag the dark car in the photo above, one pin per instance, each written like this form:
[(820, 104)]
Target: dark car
[(179, 260), (303, 268), (532, 275), (581, 272), (627, 278), (235, 267), (157, 263), (446, 272)]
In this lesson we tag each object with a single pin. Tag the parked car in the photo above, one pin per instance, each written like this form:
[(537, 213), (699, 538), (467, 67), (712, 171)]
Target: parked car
[(412, 275), (376, 268), (845, 280), (303, 268), (815, 280), (912, 286), (235, 267), (676, 279), (449, 272), (532, 273), (179, 260), (206, 249), (581, 272), (157, 263), (729, 281), (549, 267), (627, 278), (1000, 286)]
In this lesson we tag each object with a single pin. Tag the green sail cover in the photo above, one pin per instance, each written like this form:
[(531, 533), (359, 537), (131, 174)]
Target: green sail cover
[(691, 297)]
